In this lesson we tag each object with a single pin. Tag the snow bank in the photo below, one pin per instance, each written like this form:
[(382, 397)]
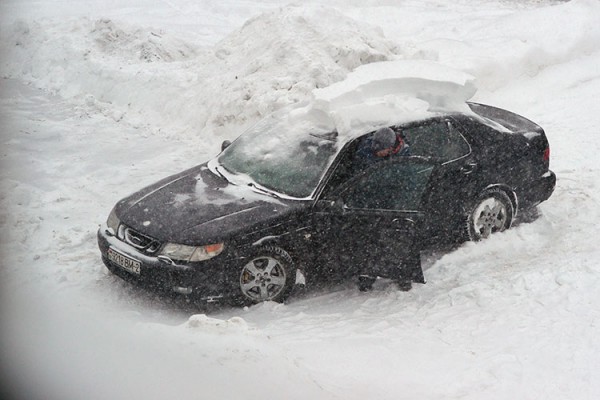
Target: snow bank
[(278, 58), (136, 44), (150, 79)]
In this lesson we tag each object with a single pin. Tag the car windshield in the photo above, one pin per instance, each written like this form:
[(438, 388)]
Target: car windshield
[(287, 152)]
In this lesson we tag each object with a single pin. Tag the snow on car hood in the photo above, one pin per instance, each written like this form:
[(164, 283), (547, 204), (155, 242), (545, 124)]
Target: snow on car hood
[(391, 92), (197, 206)]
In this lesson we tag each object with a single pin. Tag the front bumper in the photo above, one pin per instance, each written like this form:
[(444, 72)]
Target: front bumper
[(204, 280)]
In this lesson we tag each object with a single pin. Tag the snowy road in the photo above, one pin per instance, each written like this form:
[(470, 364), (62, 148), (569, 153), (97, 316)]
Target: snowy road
[(517, 316)]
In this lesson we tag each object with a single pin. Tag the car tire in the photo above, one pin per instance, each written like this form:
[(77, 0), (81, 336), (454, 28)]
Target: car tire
[(492, 212), (268, 274)]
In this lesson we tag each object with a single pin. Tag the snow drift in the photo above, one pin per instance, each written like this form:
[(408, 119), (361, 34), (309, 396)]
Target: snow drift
[(150, 78)]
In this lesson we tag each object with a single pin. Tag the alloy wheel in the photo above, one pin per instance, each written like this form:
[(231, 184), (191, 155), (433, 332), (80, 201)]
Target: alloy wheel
[(263, 278), (490, 216)]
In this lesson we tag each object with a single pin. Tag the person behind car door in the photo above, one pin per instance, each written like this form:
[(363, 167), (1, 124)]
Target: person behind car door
[(383, 144)]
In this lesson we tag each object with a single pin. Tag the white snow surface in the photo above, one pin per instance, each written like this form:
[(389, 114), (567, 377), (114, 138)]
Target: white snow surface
[(426, 80), (99, 98), (385, 93)]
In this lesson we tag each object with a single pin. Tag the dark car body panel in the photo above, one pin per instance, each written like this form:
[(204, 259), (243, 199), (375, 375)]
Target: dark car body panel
[(203, 205), (341, 230)]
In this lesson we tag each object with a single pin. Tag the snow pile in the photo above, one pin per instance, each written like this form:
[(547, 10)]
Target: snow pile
[(385, 93), (138, 44), (151, 79), (278, 58), (201, 321), (125, 72)]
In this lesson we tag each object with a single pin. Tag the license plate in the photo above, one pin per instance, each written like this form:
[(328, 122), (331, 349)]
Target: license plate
[(128, 264)]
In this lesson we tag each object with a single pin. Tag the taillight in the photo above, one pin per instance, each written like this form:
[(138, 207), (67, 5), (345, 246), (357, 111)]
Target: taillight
[(546, 157)]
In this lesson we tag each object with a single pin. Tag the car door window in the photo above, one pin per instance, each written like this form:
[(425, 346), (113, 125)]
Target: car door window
[(393, 186), (438, 139)]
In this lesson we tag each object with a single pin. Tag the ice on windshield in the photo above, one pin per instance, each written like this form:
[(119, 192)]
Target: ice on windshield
[(287, 152)]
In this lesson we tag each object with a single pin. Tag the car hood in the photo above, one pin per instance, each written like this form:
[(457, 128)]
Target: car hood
[(198, 207)]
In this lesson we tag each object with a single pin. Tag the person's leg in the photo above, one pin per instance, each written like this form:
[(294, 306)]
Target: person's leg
[(410, 271), (365, 282)]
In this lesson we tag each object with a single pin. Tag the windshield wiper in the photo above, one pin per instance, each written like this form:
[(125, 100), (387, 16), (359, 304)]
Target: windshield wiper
[(221, 174), (263, 190), (331, 136)]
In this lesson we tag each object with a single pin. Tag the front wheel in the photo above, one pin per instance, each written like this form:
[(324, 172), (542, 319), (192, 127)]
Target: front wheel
[(493, 212), (268, 275)]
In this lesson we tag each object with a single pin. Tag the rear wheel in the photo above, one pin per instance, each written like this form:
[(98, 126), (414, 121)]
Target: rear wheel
[(268, 275), (493, 212)]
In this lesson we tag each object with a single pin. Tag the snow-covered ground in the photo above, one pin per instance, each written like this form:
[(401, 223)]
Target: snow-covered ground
[(98, 98)]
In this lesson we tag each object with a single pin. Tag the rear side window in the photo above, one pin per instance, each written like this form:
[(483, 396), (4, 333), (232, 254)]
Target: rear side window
[(436, 139)]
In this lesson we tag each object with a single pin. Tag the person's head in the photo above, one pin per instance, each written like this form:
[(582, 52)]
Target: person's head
[(383, 142)]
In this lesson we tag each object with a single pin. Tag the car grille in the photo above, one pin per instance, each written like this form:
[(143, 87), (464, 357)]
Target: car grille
[(139, 240)]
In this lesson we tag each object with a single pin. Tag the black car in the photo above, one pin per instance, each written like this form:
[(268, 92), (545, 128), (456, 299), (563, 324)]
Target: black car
[(277, 205)]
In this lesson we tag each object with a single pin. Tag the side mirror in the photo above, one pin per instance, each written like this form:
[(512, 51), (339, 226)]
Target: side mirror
[(225, 144)]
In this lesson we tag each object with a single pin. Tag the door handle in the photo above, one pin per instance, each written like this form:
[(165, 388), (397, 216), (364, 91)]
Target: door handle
[(468, 168), (405, 219)]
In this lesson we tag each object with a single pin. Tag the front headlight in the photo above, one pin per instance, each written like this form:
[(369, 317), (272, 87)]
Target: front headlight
[(113, 221), (182, 252)]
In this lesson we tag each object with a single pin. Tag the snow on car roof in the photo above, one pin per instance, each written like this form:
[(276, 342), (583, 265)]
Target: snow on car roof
[(392, 92)]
